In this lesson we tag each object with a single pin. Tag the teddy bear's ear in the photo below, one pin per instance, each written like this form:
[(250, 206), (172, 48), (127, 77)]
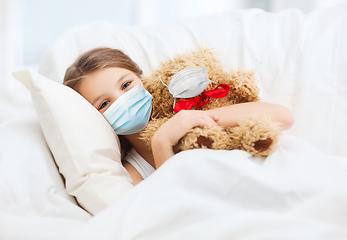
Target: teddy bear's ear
[(245, 85)]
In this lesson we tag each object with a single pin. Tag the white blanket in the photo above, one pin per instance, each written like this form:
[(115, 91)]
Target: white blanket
[(299, 192)]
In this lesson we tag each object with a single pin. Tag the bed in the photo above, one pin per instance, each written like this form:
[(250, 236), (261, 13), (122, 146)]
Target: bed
[(60, 171)]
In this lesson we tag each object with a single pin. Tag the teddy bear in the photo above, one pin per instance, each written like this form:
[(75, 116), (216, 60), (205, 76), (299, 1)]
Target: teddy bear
[(258, 135)]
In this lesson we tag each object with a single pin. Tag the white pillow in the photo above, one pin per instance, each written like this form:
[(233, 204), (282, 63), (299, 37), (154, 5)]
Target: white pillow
[(84, 146)]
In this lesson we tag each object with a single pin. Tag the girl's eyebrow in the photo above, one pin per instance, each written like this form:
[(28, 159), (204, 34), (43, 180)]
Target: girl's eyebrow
[(97, 99), (102, 95), (123, 76)]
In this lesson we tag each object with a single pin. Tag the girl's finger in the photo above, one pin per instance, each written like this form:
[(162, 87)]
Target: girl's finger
[(213, 116), (206, 120)]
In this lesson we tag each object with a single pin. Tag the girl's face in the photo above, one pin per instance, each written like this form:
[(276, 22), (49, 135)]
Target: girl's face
[(103, 87)]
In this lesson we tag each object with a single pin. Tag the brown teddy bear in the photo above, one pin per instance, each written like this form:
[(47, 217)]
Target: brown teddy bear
[(258, 135)]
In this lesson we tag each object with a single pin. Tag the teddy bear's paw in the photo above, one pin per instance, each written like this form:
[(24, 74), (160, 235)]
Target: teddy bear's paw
[(258, 136), (205, 142), (263, 145), (204, 137)]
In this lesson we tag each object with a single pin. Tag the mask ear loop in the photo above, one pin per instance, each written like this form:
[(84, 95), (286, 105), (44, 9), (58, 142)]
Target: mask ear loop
[(168, 88), (162, 81), (203, 62), (141, 82)]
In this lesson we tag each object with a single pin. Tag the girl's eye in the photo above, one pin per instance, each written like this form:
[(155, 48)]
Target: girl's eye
[(104, 104), (126, 84)]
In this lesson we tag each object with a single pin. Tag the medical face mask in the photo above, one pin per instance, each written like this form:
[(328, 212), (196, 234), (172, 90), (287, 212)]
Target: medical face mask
[(130, 113), (189, 82)]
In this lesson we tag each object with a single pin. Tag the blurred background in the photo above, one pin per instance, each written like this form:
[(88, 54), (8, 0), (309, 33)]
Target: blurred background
[(28, 27)]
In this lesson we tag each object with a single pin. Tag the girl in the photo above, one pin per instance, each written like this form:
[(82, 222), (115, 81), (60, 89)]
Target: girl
[(103, 75)]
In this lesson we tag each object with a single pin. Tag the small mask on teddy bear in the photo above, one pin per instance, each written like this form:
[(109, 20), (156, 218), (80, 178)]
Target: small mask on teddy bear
[(198, 80)]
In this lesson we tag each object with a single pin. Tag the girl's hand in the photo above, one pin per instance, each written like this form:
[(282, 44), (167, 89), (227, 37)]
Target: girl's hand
[(175, 128)]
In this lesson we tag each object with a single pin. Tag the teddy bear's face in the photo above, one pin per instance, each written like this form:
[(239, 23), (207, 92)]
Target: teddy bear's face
[(163, 102)]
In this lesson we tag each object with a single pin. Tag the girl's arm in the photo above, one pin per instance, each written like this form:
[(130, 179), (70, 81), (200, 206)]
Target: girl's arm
[(174, 129), (229, 116)]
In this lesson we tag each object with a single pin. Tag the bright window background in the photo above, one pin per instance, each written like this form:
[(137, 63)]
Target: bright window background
[(44, 20), (29, 27)]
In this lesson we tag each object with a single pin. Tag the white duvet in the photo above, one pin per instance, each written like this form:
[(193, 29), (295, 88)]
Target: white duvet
[(299, 192)]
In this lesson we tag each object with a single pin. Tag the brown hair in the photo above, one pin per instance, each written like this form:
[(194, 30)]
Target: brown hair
[(96, 59)]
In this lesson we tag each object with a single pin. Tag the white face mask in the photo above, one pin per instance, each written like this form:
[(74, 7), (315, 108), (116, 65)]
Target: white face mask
[(189, 82)]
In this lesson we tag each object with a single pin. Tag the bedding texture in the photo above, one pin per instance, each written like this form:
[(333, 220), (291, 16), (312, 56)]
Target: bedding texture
[(299, 192)]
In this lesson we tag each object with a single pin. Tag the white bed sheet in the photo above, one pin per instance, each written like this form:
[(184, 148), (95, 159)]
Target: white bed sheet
[(299, 192)]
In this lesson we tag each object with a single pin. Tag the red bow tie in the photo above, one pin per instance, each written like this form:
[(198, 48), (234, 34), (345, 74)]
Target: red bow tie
[(186, 104)]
